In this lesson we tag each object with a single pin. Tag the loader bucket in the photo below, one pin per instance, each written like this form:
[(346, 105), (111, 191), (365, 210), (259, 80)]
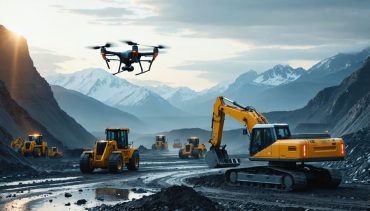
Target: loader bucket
[(218, 158)]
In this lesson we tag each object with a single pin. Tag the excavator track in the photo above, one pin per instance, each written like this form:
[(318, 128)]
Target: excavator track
[(284, 178)]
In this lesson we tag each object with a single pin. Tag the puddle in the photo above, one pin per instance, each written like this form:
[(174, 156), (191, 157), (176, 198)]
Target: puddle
[(163, 162), (93, 196)]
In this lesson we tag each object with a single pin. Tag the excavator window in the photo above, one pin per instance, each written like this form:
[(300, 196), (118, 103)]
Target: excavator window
[(36, 138), (260, 139), (282, 132)]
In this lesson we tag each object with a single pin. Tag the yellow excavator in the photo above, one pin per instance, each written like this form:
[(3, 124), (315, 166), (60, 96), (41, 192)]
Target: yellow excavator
[(193, 149), (35, 146), (160, 143), (113, 153), (286, 153)]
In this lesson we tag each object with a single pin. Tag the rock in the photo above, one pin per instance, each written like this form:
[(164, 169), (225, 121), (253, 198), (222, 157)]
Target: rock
[(80, 190), (68, 204), (81, 201), (50, 200), (67, 195)]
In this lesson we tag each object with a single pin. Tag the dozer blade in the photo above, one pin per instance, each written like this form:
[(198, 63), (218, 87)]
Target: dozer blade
[(218, 158)]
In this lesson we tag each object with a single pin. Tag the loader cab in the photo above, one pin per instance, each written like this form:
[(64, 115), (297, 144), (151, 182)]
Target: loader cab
[(36, 138), (160, 138), (264, 135), (120, 135), (194, 141)]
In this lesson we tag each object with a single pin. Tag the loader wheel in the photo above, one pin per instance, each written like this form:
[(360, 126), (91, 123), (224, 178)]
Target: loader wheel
[(36, 153), (115, 163), (85, 164), (181, 156), (153, 147), (195, 153), (134, 161), (46, 152)]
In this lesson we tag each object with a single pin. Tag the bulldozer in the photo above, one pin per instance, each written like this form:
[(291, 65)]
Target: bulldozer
[(287, 154), (17, 144), (160, 143), (35, 145), (176, 144), (113, 153), (55, 153), (192, 149)]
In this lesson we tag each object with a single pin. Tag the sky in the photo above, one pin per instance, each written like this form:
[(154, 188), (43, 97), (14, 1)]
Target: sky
[(211, 41)]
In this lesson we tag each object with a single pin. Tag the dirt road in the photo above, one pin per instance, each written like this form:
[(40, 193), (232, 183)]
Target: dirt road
[(67, 188)]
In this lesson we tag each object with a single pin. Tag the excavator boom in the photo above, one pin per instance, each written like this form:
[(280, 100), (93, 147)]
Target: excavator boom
[(217, 156)]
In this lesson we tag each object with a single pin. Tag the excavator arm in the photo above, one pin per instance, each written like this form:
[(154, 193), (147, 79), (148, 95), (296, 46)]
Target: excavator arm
[(248, 116)]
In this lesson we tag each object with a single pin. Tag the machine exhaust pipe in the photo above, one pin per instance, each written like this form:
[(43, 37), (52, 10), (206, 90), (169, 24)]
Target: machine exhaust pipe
[(218, 158)]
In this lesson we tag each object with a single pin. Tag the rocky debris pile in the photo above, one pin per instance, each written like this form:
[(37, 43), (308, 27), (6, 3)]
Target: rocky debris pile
[(356, 166), (216, 180), (172, 198)]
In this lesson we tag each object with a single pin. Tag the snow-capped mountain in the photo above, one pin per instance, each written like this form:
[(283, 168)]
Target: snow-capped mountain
[(172, 94), (116, 92), (334, 69), (279, 74)]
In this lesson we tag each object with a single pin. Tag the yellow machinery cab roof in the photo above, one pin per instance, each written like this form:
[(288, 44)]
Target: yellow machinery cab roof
[(120, 129), (193, 137), (35, 135), (160, 135)]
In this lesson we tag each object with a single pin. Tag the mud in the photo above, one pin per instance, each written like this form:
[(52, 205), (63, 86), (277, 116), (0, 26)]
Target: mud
[(172, 198), (152, 188)]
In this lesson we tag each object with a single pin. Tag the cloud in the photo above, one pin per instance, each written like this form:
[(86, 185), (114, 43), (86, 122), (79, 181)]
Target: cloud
[(108, 12), (46, 61), (268, 21)]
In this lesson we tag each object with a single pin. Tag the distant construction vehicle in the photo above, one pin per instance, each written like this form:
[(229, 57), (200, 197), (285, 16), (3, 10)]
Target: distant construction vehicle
[(55, 153), (113, 153), (176, 144), (160, 143), (17, 144), (35, 145), (285, 153), (192, 149)]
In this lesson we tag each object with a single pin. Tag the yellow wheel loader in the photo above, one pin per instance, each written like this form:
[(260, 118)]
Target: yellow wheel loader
[(17, 144), (176, 144), (286, 153), (113, 154), (160, 143), (192, 149), (35, 146), (55, 153)]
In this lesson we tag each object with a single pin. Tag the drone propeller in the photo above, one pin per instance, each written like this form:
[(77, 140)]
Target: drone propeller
[(129, 42), (107, 45), (158, 46)]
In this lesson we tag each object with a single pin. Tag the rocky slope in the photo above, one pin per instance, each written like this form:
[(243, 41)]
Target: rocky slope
[(93, 114), (33, 93), (356, 167), (344, 108)]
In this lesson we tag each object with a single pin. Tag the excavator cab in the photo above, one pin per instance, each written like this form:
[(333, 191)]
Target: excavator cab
[(265, 135)]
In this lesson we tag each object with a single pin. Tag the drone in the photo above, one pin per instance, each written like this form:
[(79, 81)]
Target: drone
[(128, 57)]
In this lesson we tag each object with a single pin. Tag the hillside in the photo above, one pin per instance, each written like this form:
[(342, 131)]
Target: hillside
[(92, 114), (33, 93), (344, 108)]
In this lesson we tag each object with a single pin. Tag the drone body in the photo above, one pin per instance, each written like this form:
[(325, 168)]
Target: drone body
[(127, 58)]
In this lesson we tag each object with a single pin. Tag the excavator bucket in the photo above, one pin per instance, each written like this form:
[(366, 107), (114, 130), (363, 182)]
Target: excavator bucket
[(218, 158)]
